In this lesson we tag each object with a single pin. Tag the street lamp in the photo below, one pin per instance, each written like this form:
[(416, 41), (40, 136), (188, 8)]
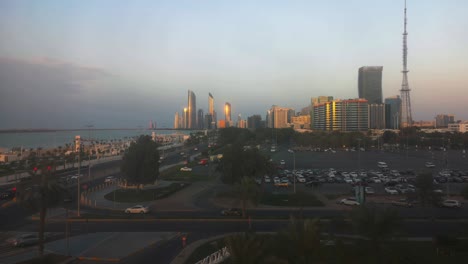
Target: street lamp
[(359, 154), (294, 169)]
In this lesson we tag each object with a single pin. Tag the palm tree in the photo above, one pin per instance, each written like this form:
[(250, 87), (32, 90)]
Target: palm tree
[(246, 248), (300, 241), (47, 194), (248, 192)]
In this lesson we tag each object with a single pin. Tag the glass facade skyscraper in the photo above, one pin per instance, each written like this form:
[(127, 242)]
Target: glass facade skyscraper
[(370, 84), (192, 110)]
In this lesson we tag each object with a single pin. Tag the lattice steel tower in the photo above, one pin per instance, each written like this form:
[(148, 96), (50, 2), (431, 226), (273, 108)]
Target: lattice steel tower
[(406, 114)]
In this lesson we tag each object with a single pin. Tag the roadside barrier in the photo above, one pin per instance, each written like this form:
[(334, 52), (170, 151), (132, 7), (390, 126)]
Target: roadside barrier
[(215, 258)]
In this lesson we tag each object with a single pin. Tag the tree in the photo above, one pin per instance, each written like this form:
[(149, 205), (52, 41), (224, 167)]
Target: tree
[(246, 248), (44, 194), (300, 241), (389, 137), (248, 191), (425, 192), (140, 163), (378, 226)]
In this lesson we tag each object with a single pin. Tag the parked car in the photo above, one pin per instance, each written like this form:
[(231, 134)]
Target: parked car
[(451, 204), (267, 179), (282, 162), (231, 212), (391, 190), (382, 164), (349, 201), (8, 195), (402, 202), (429, 164), (137, 209), (110, 179), (369, 190), (23, 240), (185, 169)]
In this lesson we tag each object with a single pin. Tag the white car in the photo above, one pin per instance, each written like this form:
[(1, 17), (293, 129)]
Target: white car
[(276, 180), (110, 179), (429, 164), (451, 204), (348, 180), (137, 209), (267, 179), (382, 164), (76, 176), (349, 201), (185, 169), (369, 190), (282, 162), (391, 190), (376, 180), (301, 179)]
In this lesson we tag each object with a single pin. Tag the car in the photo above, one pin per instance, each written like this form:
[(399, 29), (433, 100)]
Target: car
[(23, 240), (391, 190), (282, 162), (267, 179), (376, 180), (349, 201), (290, 151), (451, 204), (110, 179), (369, 190), (348, 180), (301, 179), (195, 149), (429, 164), (402, 203), (382, 164), (76, 176), (137, 209), (8, 195), (185, 169), (231, 212)]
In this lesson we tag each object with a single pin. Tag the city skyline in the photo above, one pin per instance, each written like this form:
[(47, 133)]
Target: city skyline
[(106, 68)]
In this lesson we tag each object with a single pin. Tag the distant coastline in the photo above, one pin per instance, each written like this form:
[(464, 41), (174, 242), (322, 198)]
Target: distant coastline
[(39, 130)]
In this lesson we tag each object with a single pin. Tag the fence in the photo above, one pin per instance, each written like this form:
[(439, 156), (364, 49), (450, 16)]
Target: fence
[(217, 257)]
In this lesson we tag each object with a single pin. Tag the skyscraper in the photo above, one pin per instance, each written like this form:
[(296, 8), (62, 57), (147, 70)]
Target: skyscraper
[(406, 112), (211, 112), (279, 117), (185, 118), (444, 120), (176, 120), (227, 114), (393, 115), (254, 121), (370, 84), (377, 116), (200, 119), (192, 111)]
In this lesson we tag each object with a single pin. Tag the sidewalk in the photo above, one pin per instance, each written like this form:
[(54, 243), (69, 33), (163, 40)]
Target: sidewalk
[(105, 246)]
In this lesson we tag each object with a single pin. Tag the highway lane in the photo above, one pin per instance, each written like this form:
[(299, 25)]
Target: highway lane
[(413, 228)]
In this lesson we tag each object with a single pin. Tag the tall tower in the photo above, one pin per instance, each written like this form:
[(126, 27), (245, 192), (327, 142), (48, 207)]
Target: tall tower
[(192, 111), (227, 113), (406, 114)]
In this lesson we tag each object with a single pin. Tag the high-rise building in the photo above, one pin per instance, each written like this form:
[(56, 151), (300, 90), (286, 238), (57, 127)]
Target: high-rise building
[(192, 110), (241, 123), (208, 121), (254, 121), (314, 101), (342, 115), (176, 120), (377, 116), (393, 114), (280, 116), (443, 120), (370, 84), (185, 118), (221, 123), (301, 121), (211, 111), (200, 119), (227, 114)]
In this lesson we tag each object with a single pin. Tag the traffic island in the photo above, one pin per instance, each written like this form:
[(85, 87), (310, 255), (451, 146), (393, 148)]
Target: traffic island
[(144, 195)]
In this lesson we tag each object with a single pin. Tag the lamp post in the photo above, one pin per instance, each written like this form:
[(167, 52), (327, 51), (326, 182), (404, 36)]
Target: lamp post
[(359, 154), (294, 170)]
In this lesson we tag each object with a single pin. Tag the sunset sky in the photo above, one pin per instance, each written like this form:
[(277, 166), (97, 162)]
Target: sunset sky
[(65, 64)]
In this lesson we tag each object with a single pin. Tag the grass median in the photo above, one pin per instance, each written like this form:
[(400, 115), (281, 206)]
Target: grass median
[(290, 199), (145, 195)]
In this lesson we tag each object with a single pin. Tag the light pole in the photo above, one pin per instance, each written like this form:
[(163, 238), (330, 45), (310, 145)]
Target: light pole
[(294, 170), (78, 186), (359, 154)]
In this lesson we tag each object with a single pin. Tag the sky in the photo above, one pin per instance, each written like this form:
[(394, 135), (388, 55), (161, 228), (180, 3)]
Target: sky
[(116, 64)]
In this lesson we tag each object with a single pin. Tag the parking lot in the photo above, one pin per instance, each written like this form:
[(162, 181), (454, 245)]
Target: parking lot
[(401, 172)]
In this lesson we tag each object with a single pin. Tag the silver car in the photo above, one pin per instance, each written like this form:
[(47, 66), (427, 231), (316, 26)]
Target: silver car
[(137, 209)]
